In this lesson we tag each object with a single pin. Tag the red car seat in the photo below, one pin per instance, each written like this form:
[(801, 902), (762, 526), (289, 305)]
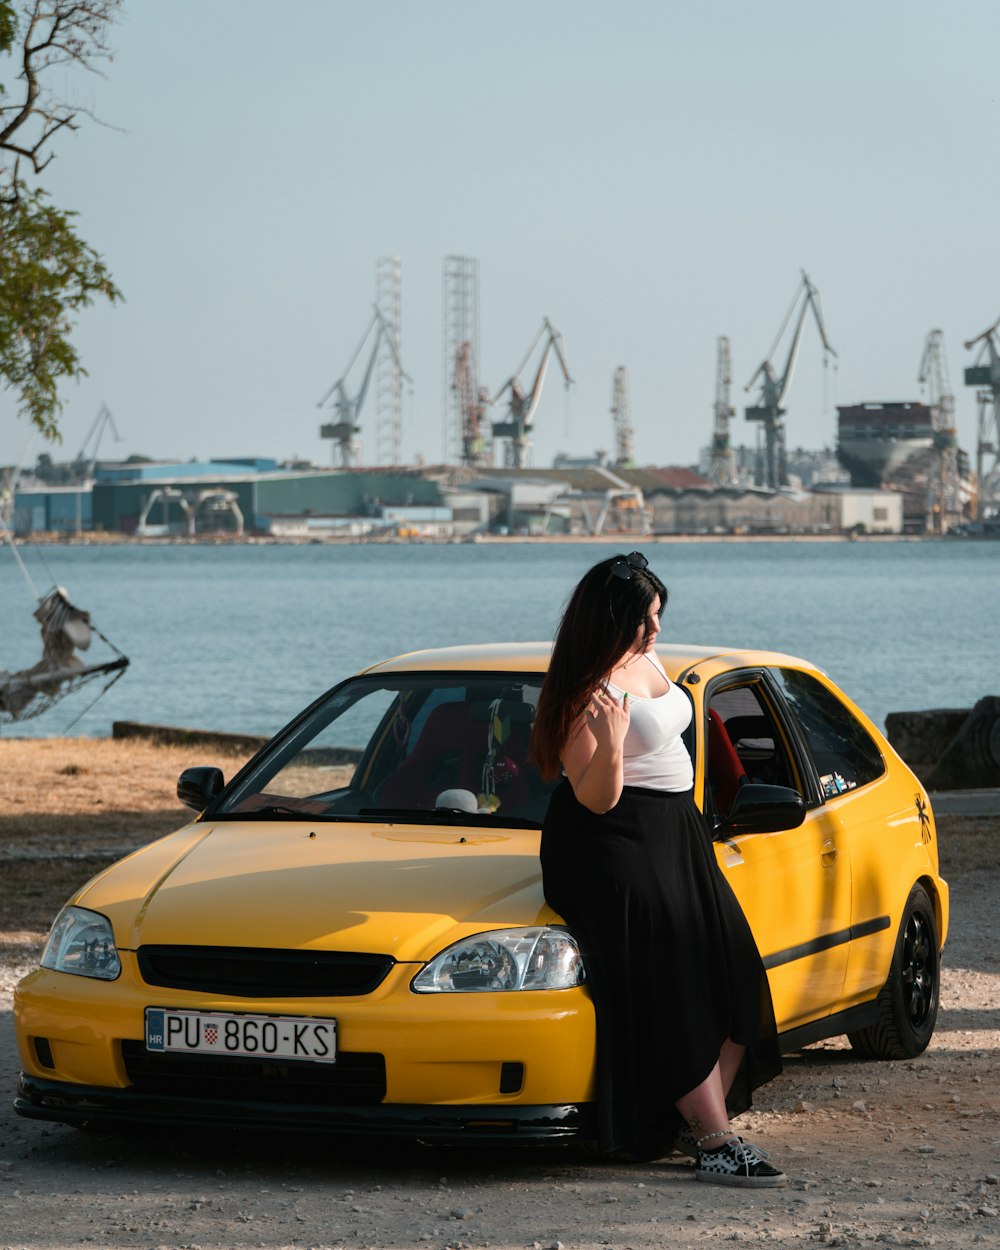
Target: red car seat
[(725, 769), (453, 749)]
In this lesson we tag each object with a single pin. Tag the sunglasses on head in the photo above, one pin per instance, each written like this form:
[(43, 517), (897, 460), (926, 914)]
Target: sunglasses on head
[(625, 566)]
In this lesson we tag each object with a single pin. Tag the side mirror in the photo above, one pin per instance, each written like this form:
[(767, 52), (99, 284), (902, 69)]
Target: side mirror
[(758, 808), (197, 787)]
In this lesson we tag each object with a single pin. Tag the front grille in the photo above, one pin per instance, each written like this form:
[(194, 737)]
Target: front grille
[(355, 1080), (246, 972)]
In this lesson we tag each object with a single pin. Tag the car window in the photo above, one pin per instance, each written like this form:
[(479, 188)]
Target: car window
[(419, 744), (745, 744), (845, 754), (329, 761)]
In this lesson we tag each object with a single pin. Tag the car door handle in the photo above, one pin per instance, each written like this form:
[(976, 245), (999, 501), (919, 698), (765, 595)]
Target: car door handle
[(829, 853)]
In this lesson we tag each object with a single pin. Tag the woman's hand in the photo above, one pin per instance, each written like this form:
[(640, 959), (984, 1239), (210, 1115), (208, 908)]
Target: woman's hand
[(592, 757), (607, 720)]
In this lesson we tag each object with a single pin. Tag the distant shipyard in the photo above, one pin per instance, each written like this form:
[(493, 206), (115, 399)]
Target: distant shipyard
[(896, 468)]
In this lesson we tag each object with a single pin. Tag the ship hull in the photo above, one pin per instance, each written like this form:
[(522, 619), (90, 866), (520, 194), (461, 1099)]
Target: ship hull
[(872, 462)]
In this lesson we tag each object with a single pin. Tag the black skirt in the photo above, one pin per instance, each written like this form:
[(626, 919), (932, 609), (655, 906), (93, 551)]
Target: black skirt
[(672, 965)]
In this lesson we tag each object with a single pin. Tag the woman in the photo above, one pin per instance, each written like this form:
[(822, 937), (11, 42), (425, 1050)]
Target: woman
[(685, 1024)]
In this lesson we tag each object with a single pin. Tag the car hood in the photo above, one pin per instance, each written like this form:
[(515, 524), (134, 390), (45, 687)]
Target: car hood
[(401, 890)]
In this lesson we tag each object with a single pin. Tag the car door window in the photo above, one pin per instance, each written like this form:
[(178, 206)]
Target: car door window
[(745, 744), (844, 752)]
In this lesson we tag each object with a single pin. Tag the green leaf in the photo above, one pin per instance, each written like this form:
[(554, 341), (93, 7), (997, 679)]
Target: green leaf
[(47, 274)]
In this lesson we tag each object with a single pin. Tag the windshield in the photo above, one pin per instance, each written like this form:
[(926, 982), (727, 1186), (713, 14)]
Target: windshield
[(442, 747)]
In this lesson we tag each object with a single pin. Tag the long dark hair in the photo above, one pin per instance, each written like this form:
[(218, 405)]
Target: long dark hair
[(599, 624)]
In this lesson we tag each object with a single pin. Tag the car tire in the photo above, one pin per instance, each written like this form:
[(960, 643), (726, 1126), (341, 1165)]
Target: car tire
[(908, 1002)]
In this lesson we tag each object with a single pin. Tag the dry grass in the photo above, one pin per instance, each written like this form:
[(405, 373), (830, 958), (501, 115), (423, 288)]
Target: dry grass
[(69, 807), (68, 790)]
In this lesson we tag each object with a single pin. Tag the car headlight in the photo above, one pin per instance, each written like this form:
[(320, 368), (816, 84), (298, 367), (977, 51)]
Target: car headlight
[(506, 959), (81, 942)]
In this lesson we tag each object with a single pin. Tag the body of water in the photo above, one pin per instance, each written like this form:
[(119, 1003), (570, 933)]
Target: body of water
[(240, 638)]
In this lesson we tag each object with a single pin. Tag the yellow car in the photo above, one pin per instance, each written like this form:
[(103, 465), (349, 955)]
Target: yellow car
[(351, 935)]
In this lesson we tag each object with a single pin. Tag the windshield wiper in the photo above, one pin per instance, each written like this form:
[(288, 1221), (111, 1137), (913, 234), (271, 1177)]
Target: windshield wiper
[(271, 810), (447, 815), (411, 813)]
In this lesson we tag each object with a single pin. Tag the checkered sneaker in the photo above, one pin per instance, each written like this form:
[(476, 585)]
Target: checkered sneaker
[(738, 1163), (685, 1143)]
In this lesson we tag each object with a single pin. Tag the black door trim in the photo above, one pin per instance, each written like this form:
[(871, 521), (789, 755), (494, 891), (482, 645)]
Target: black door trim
[(826, 942)]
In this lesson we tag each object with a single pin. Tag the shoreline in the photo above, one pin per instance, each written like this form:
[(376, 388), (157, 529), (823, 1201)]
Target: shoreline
[(100, 538)]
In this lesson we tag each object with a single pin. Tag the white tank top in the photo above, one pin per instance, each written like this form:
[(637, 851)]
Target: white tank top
[(654, 754)]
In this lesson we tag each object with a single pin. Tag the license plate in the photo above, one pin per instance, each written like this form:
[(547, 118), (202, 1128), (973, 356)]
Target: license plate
[(226, 1033)]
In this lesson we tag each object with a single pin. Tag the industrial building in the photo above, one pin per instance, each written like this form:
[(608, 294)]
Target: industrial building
[(264, 501), (228, 498), (39, 508)]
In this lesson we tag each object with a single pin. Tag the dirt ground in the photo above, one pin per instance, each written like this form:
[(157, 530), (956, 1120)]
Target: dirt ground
[(904, 1154)]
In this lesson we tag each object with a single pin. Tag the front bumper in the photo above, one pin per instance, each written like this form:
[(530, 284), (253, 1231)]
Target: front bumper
[(79, 1105), (437, 1049)]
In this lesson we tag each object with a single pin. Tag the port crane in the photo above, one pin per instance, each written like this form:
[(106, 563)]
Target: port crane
[(520, 419), (347, 407), (722, 458), (769, 409), (622, 417), (944, 506), (985, 374), (83, 465), (473, 401)]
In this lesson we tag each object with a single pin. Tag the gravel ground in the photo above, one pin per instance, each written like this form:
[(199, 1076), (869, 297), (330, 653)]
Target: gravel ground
[(901, 1154)]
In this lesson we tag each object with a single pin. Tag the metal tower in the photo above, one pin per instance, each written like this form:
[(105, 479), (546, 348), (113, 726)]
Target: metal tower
[(944, 505), (722, 458), (473, 400), (987, 376), (389, 374), (769, 408), (622, 419), (460, 314)]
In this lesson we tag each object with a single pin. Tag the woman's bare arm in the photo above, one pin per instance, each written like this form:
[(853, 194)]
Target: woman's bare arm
[(592, 756)]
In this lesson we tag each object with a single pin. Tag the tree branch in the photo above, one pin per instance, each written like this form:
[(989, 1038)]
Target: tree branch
[(48, 274), (55, 32)]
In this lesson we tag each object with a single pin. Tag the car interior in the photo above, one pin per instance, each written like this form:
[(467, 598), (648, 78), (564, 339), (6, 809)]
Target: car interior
[(428, 747), (479, 746), (463, 746), (745, 744)]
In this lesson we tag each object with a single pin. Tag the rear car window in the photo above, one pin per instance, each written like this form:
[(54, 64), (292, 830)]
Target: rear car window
[(844, 753)]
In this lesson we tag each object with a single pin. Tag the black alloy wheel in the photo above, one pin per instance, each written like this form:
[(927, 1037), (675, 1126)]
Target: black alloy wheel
[(908, 1002), (918, 969)]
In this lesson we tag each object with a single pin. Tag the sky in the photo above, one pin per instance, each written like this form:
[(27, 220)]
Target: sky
[(647, 174)]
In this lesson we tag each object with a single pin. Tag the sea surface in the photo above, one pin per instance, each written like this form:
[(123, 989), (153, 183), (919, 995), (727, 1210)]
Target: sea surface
[(240, 638)]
